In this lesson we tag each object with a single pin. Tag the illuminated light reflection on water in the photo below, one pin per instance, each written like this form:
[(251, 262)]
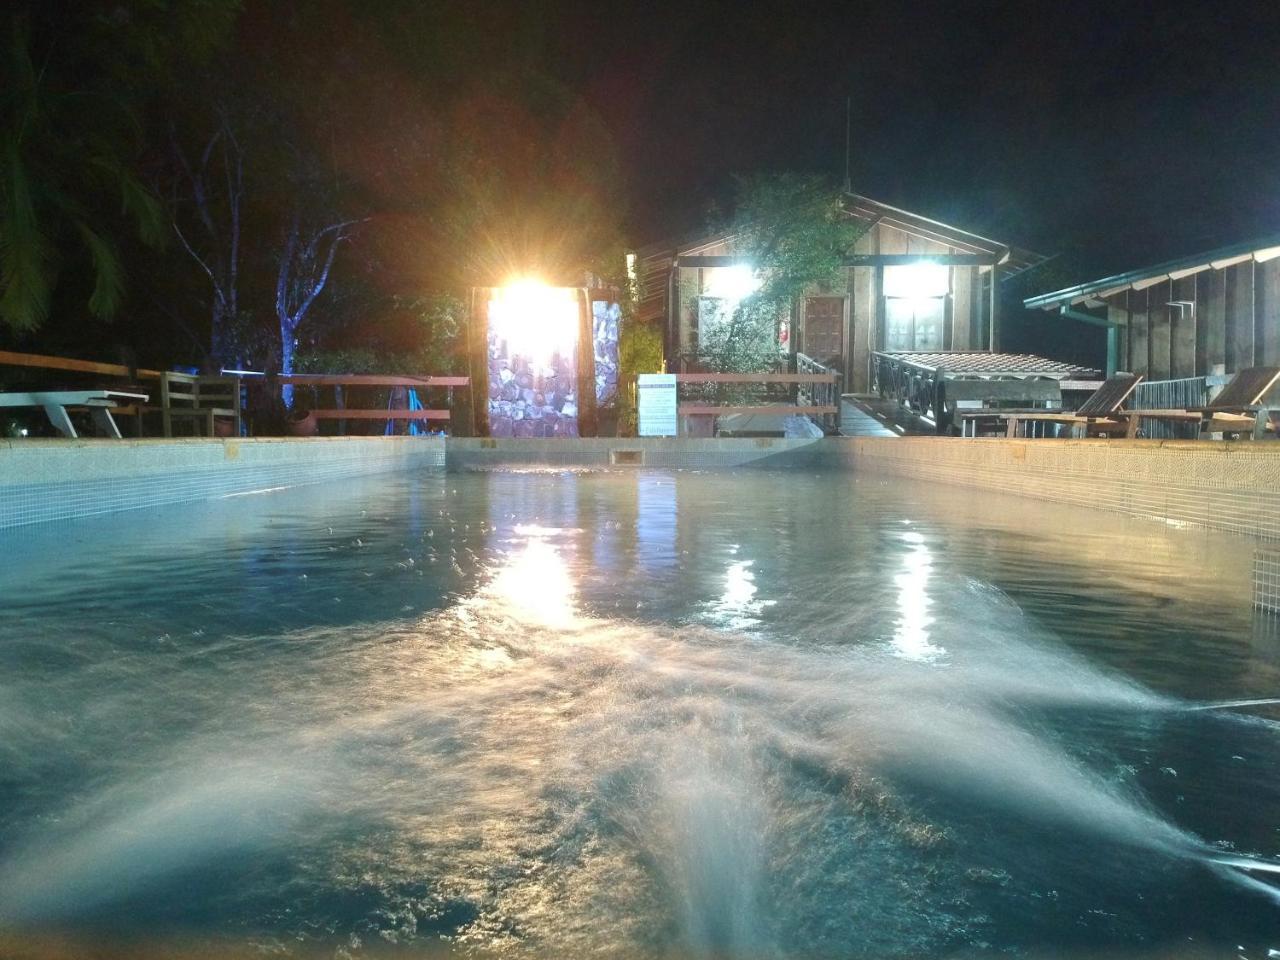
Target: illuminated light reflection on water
[(911, 639), (638, 712)]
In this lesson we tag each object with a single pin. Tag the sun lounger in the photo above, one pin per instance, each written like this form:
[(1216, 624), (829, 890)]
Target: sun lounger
[(1096, 416), (1239, 409), (56, 403)]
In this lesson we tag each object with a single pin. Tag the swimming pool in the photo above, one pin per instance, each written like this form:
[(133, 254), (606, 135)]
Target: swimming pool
[(748, 714)]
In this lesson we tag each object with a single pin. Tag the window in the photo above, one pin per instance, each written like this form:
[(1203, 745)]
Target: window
[(915, 306)]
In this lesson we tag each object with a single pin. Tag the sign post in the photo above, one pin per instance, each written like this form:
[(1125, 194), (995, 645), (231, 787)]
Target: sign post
[(656, 404)]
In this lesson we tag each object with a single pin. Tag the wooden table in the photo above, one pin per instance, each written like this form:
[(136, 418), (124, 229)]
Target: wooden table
[(55, 404)]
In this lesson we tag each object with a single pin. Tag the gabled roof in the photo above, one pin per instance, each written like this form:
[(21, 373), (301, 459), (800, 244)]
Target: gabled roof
[(1013, 261), (873, 211), (1095, 291)]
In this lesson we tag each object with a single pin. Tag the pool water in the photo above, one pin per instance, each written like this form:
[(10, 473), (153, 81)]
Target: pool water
[(758, 714)]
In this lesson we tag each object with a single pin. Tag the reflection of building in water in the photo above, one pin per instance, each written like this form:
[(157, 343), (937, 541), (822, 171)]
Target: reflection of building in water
[(655, 522)]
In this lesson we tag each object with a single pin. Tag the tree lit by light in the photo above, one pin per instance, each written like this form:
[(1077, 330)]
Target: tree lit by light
[(733, 284)]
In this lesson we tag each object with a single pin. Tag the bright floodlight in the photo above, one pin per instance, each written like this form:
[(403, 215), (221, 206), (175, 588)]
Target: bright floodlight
[(732, 283), (917, 281), (537, 321)]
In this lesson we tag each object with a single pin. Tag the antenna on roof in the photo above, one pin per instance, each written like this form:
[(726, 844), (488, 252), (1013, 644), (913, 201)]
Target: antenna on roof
[(848, 183)]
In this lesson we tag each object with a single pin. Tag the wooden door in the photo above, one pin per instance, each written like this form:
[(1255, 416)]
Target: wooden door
[(824, 330)]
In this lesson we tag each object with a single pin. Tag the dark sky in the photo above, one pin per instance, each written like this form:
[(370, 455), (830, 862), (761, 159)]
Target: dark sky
[(1121, 133)]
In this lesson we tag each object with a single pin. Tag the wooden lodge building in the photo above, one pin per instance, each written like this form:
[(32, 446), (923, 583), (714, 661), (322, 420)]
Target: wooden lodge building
[(910, 284), (1216, 312)]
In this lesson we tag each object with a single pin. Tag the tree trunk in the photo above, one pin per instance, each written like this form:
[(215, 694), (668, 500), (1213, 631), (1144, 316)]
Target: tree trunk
[(288, 345), (219, 339)]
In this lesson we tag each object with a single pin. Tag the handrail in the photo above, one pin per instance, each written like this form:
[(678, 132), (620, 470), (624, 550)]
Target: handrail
[(824, 393), (357, 379), (9, 358), (814, 393), (756, 377)]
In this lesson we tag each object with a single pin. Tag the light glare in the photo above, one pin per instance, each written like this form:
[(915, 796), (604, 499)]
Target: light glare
[(537, 321)]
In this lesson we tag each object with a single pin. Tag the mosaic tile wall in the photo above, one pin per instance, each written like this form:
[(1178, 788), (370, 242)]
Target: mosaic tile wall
[(1266, 580), (1232, 487), (663, 452), (43, 481), (1229, 487)]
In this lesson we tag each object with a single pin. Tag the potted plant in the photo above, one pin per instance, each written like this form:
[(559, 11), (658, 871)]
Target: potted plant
[(302, 423)]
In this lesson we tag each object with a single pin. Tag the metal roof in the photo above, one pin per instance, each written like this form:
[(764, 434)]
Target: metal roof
[(1094, 292), (983, 364), (872, 212)]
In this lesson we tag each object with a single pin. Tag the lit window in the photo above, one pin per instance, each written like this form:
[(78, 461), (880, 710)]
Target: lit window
[(917, 281)]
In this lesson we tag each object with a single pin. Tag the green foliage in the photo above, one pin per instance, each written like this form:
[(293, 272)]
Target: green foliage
[(639, 351), (74, 86), (746, 341), (436, 322), (793, 231), (426, 341), (342, 360)]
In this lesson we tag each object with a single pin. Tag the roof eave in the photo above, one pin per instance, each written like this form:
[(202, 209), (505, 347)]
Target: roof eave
[(1259, 251)]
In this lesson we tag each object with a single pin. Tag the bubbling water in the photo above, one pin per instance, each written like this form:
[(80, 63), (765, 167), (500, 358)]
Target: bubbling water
[(605, 784)]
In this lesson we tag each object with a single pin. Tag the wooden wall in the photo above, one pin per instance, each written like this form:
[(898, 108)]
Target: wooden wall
[(963, 324), (1232, 320)]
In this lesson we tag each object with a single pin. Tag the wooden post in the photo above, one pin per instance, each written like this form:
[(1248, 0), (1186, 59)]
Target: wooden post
[(1266, 331), (1139, 352), (164, 405), (478, 349), (1239, 316), (587, 425), (1182, 328), (993, 332)]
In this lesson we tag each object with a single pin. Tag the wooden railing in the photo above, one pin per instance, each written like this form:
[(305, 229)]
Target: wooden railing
[(711, 395), (342, 410), (341, 384), (825, 393), (66, 364)]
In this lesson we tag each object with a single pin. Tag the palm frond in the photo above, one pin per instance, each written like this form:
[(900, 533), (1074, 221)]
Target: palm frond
[(26, 255), (108, 276), (146, 209), (137, 201)]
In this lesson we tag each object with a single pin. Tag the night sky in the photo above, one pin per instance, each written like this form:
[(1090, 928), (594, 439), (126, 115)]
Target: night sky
[(481, 140), (1116, 134)]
